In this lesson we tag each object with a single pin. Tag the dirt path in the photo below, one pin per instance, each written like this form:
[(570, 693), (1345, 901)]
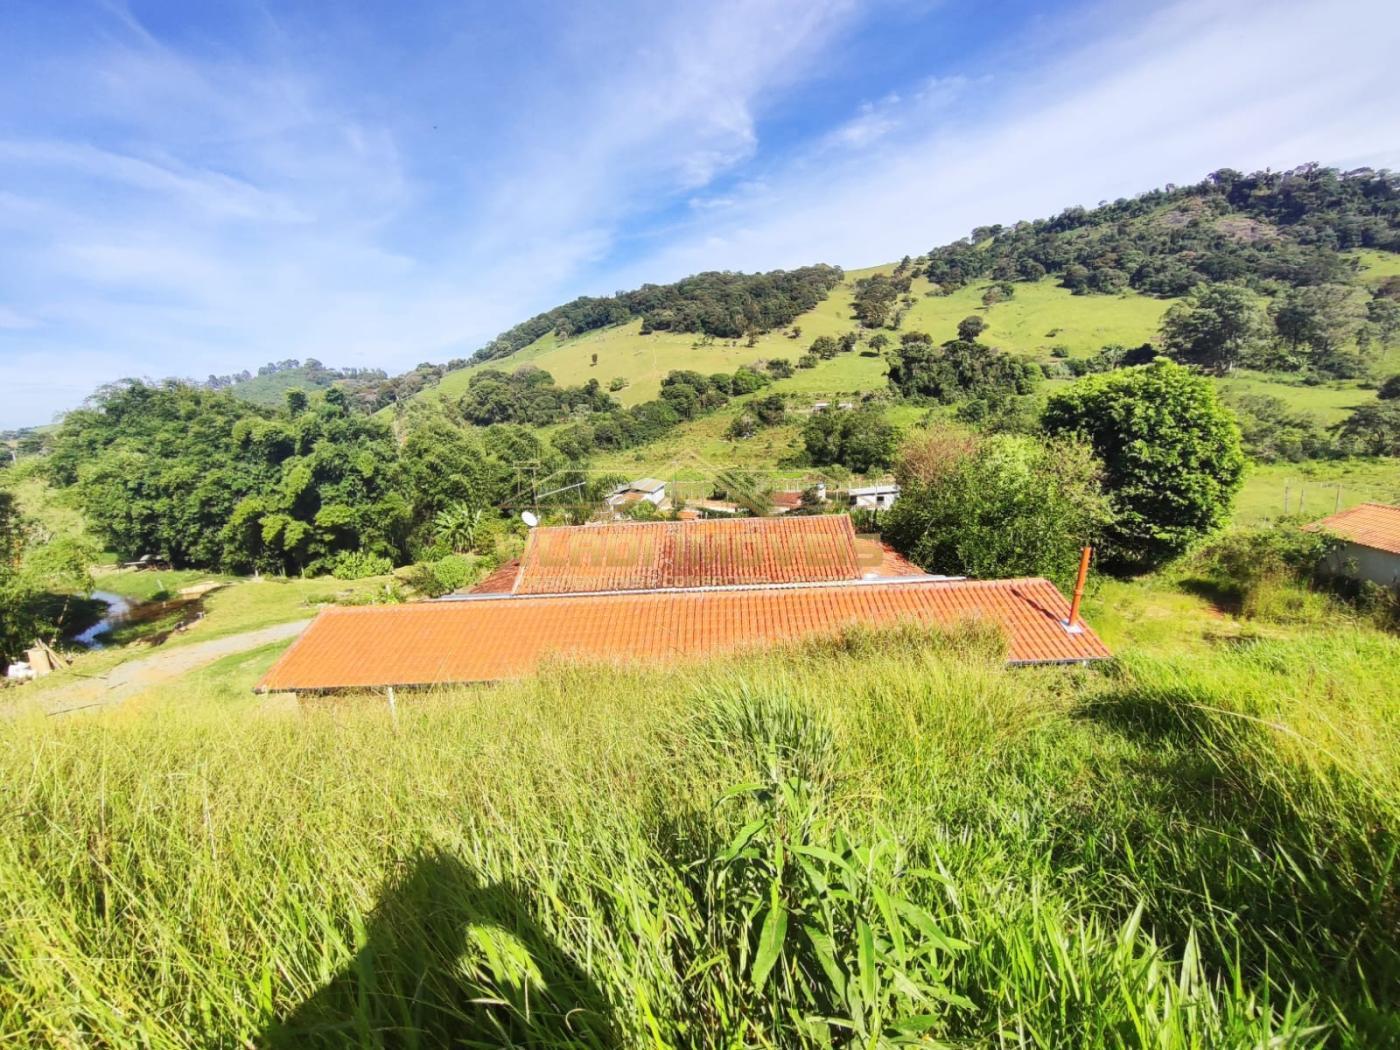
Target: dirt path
[(135, 676)]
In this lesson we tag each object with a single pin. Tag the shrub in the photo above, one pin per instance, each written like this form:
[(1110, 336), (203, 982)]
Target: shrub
[(741, 427), (617, 383), (442, 576), (1267, 571), (995, 506), (359, 565)]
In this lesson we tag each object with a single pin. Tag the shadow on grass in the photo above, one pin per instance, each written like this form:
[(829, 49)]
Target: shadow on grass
[(448, 961), (1223, 599)]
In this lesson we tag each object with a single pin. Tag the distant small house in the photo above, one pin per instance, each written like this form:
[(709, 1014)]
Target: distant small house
[(647, 490), (1370, 543), (820, 406), (716, 508), (874, 497), (787, 500), (845, 406)]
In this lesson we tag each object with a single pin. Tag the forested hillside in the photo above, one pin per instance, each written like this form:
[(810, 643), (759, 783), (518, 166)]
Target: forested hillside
[(722, 305)]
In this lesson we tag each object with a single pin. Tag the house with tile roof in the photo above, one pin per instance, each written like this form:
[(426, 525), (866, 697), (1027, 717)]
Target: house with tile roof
[(490, 638), (714, 552), (1369, 543)]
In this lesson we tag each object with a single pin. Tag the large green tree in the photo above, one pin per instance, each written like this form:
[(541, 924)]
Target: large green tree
[(201, 479), (861, 440), (957, 369), (1171, 453), (38, 576), (1214, 329), (995, 507)]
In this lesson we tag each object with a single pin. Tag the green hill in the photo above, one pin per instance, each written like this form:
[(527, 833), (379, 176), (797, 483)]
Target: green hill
[(1053, 290), (1041, 316), (270, 385)]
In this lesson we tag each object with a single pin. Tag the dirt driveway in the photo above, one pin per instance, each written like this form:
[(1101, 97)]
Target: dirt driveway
[(136, 676)]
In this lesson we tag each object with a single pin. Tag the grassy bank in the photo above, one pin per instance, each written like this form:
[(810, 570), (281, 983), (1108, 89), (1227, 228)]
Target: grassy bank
[(891, 839)]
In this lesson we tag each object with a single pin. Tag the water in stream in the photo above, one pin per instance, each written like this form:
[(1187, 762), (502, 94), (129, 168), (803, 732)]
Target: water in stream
[(118, 610)]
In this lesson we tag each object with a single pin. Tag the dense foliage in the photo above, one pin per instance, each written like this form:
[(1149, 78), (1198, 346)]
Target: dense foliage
[(861, 439), (958, 368), (684, 395), (528, 395), (1268, 226), (995, 507), (725, 305), (1171, 454), (202, 479), (38, 576)]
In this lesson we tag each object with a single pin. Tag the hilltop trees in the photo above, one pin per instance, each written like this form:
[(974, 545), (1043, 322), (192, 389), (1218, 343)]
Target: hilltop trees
[(1167, 241), (1171, 455), (875, 298), (723, 305), (957, 369)]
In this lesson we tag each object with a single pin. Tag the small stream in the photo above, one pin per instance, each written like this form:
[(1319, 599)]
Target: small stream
[(118, 611)]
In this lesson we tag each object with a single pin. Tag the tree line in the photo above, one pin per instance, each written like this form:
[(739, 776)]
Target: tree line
[(1286, 227), (724, 305)]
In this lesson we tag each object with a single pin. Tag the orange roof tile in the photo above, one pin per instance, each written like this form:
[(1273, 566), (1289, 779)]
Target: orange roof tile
[(499, 581), (707, 553), (879, 559), (1375, 525), (488, 639)]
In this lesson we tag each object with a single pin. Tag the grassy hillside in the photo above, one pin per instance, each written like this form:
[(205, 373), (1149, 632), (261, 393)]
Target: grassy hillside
[(1041, 316), (1024, 324), (897, 836)]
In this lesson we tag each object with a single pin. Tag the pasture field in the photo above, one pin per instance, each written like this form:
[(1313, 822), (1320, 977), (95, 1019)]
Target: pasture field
[(886, 839), (1041, 316), (1324, 486)]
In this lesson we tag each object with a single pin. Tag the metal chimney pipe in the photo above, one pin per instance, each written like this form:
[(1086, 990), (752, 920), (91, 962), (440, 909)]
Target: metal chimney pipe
[(1073, 622)]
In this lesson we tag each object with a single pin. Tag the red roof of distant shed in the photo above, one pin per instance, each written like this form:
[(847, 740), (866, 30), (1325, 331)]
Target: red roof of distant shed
[(488, 639), (1375, 525)]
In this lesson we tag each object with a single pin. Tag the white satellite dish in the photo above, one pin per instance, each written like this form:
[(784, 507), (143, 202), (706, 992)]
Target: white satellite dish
[(530, 518)]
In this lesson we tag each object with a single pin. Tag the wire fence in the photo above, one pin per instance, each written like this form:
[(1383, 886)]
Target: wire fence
[(1301, 497)]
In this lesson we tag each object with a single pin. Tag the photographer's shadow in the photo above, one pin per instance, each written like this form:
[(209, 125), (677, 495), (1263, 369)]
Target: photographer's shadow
[(449, 961)]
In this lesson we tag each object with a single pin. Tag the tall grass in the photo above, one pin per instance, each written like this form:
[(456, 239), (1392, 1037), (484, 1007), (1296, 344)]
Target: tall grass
[(890, 839)]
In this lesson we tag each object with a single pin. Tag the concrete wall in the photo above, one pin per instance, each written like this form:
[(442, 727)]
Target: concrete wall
[(1366, 563)]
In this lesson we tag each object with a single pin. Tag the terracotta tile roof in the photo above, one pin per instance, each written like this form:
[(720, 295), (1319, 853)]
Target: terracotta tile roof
[(500, 581), (786, 500), (1375, 525), (489, 639), (879, 559), (708, 553)]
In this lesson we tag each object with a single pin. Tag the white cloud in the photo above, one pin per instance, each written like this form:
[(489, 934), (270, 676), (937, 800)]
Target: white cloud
[(1191, 89)]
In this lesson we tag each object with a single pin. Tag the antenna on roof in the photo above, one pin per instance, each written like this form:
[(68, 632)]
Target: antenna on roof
[(530, 518)]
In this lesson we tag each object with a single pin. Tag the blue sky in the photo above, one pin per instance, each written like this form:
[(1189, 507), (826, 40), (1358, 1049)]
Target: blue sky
[(195, 188)]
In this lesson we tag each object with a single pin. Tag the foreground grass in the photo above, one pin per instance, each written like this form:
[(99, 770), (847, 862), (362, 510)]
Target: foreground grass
[(886, 840)]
